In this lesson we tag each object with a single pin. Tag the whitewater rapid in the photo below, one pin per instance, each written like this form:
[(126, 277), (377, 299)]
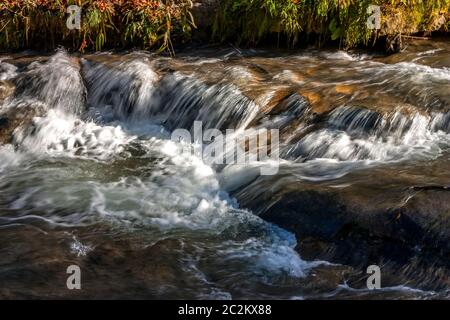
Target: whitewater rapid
[(131, 176), (99, 151)]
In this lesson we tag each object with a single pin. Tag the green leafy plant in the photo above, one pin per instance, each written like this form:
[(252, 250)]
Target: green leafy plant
[(105, 23)]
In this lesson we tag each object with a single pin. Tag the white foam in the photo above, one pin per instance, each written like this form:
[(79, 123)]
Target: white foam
[(59, 133)]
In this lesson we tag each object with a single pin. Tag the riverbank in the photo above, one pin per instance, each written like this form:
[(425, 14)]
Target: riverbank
[(170, 24)]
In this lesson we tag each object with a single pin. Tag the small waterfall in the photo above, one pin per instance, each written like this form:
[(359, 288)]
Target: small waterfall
[(396, 124), (61, 134), (91, 170), (441, 121), (128, 89), (57, 83), (185, 99), (7, 71), (292, 108), (132, 91)]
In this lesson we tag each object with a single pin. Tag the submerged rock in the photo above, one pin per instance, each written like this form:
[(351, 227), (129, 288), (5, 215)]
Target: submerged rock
[(403, 228)]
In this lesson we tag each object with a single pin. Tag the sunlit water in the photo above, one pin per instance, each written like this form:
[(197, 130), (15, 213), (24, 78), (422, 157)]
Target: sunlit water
[(95, 180)]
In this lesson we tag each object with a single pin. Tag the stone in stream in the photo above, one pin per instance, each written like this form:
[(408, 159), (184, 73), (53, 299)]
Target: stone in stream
[(380, 216), (6, 90), (15, 117)]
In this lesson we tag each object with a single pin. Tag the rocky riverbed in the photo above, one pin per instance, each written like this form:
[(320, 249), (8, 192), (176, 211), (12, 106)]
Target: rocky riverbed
[(89, 174)]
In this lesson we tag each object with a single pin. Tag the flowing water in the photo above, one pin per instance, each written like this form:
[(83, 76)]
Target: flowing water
[(89, 174)]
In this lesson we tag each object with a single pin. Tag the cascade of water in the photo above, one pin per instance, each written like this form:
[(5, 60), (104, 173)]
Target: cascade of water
[(354, 119), (121, 90), (57, 83), (101, 189), (68, 167), (185, 99)]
